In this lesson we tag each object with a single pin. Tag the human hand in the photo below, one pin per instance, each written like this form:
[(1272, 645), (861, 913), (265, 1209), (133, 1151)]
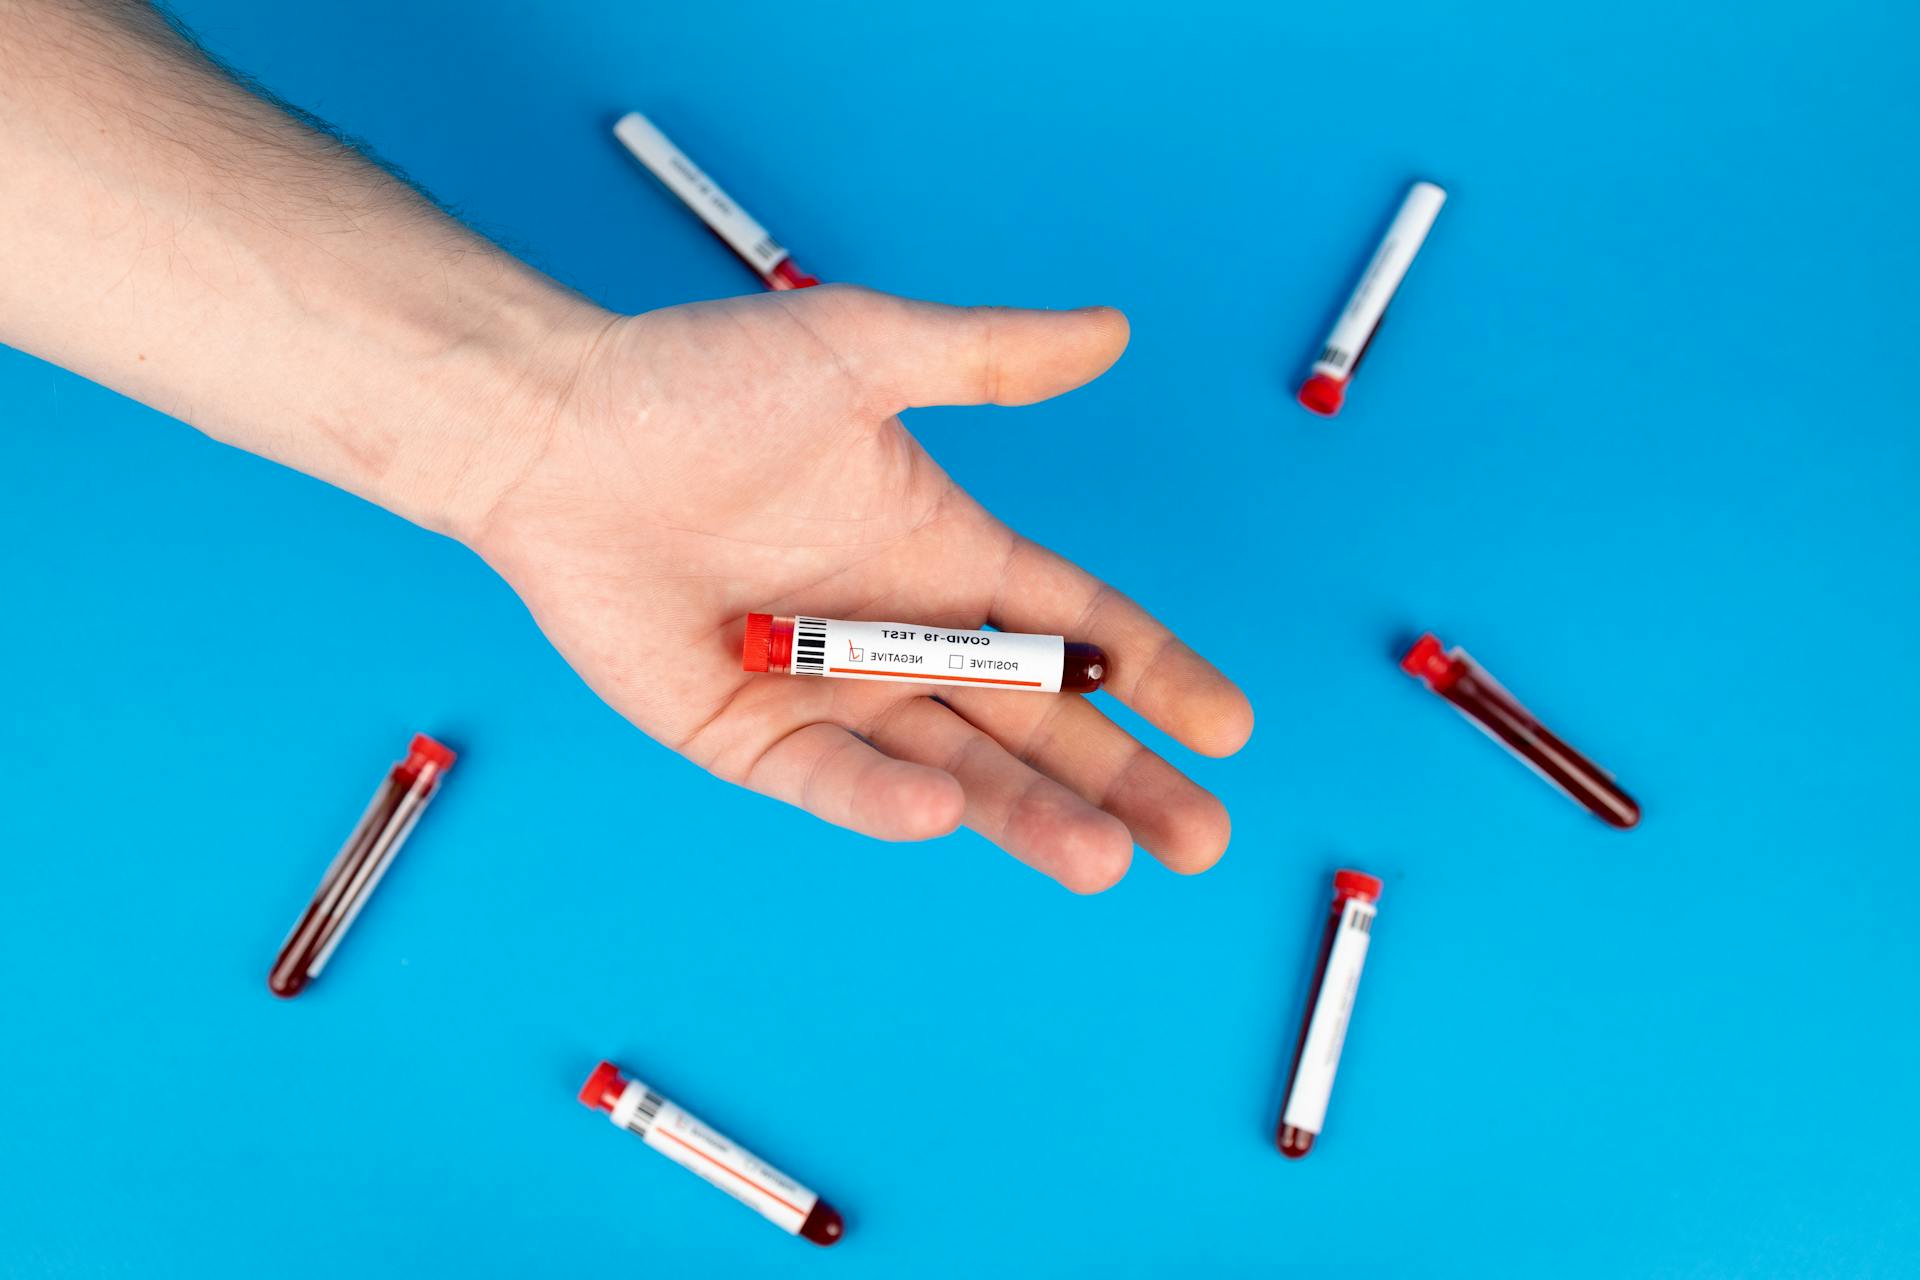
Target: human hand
[(735, 456), (643, 482)]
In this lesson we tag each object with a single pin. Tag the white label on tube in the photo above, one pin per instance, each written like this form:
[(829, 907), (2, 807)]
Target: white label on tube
[(1380, 281), (727, 1165), (700, 193), (1327, 1030), (899, 651)]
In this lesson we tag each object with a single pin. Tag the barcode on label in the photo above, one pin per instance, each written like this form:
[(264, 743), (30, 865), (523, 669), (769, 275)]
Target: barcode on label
[(1361, 922), (643, 1115), (809, 646), (1335, 357)]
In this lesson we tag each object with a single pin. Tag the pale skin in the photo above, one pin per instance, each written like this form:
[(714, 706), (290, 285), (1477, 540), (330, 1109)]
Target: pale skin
[(643, 482)]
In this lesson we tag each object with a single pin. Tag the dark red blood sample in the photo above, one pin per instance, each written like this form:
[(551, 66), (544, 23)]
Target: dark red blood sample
[(824, 1225), (1295, 1142), (357, 868), (1086, 668), (293, 967), (1463, 682)]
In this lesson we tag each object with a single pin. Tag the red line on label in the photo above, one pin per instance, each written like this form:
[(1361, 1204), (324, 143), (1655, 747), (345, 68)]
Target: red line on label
[(937, 679), (729, 1170)]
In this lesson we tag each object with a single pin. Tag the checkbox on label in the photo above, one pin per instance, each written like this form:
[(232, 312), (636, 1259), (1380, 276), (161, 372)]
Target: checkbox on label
[(957, 661), (856, 655)]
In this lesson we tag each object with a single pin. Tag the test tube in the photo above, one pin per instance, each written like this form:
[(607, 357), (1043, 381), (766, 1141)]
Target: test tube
[(905, 652), (734, 226), (726, 1164), (1323, 1032), (357, 868), (1478, 696), (1326, 386)]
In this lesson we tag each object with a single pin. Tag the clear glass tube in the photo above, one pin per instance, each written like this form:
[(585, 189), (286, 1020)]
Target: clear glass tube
[(356, 870), (1478, 696)]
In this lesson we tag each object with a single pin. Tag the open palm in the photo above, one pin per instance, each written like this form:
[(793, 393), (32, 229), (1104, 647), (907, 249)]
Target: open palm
[(744, 455)]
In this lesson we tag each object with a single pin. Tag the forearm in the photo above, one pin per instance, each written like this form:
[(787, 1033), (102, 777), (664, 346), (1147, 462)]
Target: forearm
[(171, 235)]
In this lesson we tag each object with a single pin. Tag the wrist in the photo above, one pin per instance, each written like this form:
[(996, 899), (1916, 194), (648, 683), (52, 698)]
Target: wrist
[(473, 395)]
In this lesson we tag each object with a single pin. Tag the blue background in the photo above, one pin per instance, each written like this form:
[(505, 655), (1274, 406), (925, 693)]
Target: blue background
[(1638, 433)]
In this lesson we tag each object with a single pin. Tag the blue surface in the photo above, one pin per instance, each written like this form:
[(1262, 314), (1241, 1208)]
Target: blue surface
[(1639, 433)]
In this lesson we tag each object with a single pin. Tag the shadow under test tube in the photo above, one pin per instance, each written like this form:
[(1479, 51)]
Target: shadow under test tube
[(357, 868), (1323, 1030), (1465, 683)]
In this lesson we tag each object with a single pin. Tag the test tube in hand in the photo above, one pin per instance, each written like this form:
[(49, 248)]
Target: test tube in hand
[(365, 857), (910, 653)]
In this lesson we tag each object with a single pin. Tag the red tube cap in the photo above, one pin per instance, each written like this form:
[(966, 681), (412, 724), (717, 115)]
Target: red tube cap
[(1356, 884), (757, 650), (1428, 661), (428, 751), (603, 1088), (1324, 395), (786, 275)]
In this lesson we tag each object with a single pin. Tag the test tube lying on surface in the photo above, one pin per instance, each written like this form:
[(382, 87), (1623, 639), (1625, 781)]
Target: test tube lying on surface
[(913, 654), (1323, 1032), (1476, 695), (726, 1164), (734, 226), (1326, 386), (357, 868)]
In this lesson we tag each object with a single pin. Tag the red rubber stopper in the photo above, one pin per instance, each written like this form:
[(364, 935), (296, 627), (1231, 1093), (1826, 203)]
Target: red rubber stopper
[(1356, 884), (1428, 661), (789, 276), (757, 649), (1324, 395), (603, 1088), (427, 750)]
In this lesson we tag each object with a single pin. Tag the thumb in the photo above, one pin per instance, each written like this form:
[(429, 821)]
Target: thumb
[(925, 353)]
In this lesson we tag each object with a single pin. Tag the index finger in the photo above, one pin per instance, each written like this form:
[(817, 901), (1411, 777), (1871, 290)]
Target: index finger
[(1152, 670)]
